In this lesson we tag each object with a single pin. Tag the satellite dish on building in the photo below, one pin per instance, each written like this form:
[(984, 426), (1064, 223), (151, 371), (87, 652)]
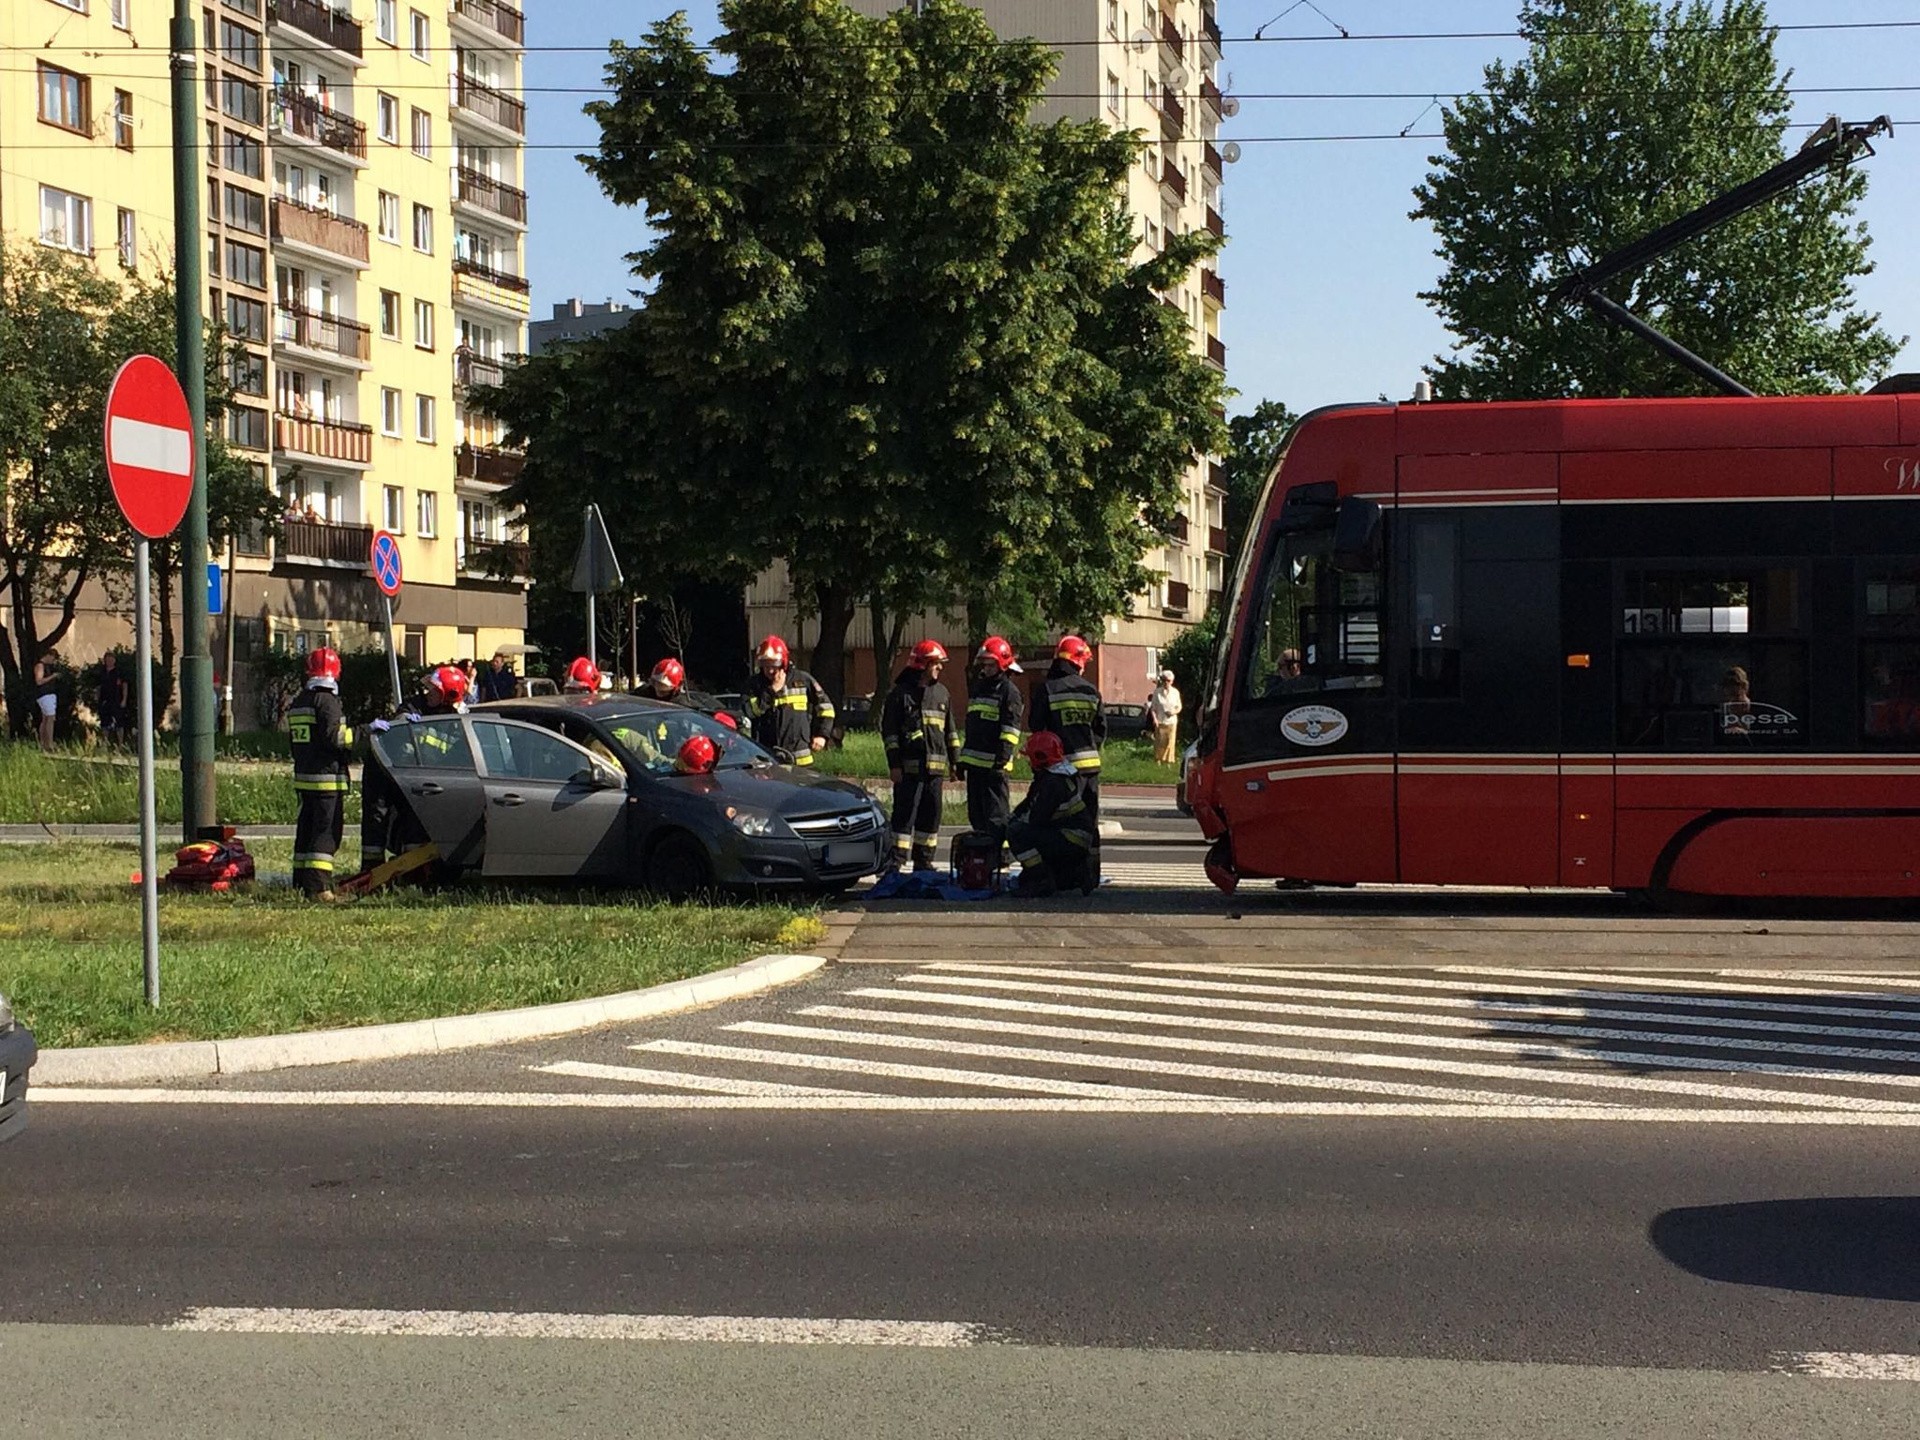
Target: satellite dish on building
[(1179, 80), (1141, 39), (1231, 152), (1230, 106)]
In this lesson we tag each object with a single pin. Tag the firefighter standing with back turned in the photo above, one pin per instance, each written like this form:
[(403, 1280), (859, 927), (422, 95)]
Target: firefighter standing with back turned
[(322, 743), (917, 726), (1068, 704), (789, 709), (994, 711)]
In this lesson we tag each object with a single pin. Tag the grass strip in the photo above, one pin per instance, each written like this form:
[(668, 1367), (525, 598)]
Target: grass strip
[(1122, 762), (268, 962)]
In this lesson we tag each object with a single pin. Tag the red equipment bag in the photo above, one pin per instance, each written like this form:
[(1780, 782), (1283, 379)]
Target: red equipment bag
[(211, 865), (976, 860)]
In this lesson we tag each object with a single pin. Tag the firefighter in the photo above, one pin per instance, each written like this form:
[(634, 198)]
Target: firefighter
[(789, 709), (322, 743), (384, 822), (994, 710), (583, 678), (1053, 831), (669, 683), (1068, 704), (917, 726)]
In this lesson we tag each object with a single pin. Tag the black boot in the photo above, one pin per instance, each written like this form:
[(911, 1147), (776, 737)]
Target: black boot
[(924, 859)]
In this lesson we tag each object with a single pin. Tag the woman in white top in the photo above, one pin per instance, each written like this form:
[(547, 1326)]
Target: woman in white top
[(1163, 708)]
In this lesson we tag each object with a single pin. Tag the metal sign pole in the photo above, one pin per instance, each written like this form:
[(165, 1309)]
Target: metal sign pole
[(593, 656), (393, 655), (149, 863)]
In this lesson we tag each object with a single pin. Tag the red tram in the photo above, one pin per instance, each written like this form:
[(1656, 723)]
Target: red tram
[(1660, 645)]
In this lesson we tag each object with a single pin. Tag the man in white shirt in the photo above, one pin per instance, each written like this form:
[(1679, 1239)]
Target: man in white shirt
[(1163, 708)]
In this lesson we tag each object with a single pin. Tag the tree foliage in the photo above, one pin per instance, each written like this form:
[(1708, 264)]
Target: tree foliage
[(1253, 445), (1624, 115), (892, 334)]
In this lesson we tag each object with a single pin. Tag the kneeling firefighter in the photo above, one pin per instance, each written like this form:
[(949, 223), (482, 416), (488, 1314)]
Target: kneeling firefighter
[(917, 727), (322, 743), (1053, 831)]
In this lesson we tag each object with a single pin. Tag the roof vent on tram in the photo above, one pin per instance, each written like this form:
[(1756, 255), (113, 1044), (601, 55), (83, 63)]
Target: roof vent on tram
[(1897, 385), (1423, 392)]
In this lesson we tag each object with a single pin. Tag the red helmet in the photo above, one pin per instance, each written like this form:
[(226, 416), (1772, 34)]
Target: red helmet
[(996, 649), (772, 648), (697, 756), (1074, 651), (583, 674), (727, 720), (928, 652), (323, 663), (672, 672), (450, 681), (1044, 749)]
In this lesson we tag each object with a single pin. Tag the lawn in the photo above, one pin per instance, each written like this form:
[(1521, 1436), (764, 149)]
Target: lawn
[(102, 788), (271, 962), (1122, 762)]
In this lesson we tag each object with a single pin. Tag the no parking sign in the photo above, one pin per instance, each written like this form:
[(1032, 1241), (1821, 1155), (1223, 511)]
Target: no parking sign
[(383, 558)]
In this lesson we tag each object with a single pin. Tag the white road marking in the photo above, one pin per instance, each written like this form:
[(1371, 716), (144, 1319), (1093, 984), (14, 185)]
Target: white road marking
[(1656, 983), (987, 1079), (1849, 1365), (1357, 1060), (148, 446), (505, 1325), (675, 1079), (1826, 977), (319, 1101)]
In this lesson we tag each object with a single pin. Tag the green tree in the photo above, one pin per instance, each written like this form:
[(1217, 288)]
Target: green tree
[(1253, 445), (892, 334), (1624, 115)]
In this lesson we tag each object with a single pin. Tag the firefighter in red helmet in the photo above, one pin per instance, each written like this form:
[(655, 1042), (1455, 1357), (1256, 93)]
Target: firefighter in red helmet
[(789, 709), (583, 678), (917, 725), (386, 825), (1054, 833), (1068, 704), (994, 712), (322, 744)]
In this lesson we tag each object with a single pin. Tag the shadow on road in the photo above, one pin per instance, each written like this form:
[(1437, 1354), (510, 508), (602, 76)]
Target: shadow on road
[(1865, 1246)]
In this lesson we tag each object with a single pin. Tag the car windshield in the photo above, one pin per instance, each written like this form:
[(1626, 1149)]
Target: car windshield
[(654, 740)]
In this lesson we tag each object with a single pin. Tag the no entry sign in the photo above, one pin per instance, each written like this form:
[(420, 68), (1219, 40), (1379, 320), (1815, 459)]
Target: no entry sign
[(385, 559), (149, 446)]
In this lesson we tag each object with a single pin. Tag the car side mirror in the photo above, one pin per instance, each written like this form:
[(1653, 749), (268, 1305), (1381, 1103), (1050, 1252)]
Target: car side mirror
[(1356, 536), (599, 777)]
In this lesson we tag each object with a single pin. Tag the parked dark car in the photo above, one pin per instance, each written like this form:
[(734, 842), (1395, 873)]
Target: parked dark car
[(584, 788), (17, 1054), (857, 713), (1126, 722)]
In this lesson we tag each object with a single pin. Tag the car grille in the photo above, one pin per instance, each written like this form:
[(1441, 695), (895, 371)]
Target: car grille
[(827, 827)]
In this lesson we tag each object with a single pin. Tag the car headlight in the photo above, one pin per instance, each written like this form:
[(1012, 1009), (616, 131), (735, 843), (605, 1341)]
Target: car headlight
[(753, 822)]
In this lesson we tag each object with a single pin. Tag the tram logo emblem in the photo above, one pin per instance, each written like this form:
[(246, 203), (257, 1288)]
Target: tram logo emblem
[(1905, 473), (1313, 725)]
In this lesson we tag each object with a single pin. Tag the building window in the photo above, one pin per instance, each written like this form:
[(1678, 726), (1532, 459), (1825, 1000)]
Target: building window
[(247, 427), (240, 100), (429, 525), (1113, 28), (393, 509), (422, 134), (423, 324), (247, 264), (386, 21), (389, 217), (1113, 93), (247, 319), (244, 156), (247, 373), (390, 314), (423, 229), (129, 233), (246, 210), (66, 220), (423, 418), (123, 119), (386, 117), (63, 99), (389, 412), (240, 46), (117, 12), (420, 35)]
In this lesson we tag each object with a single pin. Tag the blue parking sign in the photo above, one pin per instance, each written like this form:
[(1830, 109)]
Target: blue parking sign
[(216, 590)]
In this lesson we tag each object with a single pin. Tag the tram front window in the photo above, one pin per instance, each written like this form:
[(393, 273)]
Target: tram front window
[(1318, 628)]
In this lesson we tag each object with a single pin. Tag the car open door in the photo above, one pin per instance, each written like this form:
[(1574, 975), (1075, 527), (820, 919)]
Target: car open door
[(432, 762), (554, 809)]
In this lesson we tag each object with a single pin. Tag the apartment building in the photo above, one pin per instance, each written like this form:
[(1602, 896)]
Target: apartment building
[(1149, 66), (365, 241)]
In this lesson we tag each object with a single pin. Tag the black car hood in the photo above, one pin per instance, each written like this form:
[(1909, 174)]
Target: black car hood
[(781, 790)]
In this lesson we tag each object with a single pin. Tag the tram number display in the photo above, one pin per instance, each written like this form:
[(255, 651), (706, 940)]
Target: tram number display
[(1692, 620)]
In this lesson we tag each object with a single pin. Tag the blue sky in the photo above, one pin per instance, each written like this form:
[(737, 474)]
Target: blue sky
[(1323, 267)]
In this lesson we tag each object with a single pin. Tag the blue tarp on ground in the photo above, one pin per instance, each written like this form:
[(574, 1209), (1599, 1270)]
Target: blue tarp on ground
[(926, 885)]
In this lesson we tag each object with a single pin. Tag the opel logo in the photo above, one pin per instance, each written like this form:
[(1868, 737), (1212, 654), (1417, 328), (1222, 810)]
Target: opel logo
[(846, 823)]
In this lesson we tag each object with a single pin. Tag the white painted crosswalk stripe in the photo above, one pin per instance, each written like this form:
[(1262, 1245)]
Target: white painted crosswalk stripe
[(677, 1080)]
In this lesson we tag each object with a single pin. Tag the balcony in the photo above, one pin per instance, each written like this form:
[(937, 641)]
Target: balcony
[(1173, 115), (1213, 287), (505, 21), (319, 22), (1210, 157), (1170, 36), (470, 369), (488, 464), (343, 442), (1217, 476), (1215, 223), (1177, 597), (1173, 180), (1217, 351), (1210, 28), (1217, 539), (483, 192), (485, 103), (1210, 93), (492, 559), (477, 284), (327, 334), (297, 224), (302, 115), (319, 542), (1176, 533)]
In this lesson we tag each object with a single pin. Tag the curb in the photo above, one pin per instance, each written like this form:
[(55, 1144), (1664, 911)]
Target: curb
[(199, 1059)]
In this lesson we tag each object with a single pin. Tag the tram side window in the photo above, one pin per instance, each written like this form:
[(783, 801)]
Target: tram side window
[(1318, 628), (1890, 657), (1433, 546), (1713, 658)]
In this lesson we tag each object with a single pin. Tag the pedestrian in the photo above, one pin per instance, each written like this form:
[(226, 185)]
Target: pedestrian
[(1068, 704), (386, 824), (497, 681), (995, 709), (111, 704), (1053, 832), (1163, 708), (46, 701), (472, 672), (789, 709), (322, 743), (917, 727)]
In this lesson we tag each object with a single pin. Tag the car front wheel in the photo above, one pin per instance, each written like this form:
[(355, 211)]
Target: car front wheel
[(678, 867)]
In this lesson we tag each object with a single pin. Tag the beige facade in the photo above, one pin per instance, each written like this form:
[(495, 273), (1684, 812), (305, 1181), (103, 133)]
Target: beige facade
[(365, 227)]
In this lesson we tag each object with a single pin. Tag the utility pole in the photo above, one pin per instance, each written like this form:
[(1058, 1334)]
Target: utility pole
[(200, 808)]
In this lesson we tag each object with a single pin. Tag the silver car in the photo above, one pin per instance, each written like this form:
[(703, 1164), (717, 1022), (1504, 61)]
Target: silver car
[(17, 1054)]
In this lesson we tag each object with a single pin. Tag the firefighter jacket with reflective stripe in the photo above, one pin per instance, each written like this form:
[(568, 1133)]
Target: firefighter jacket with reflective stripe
[(322, 740), (918, 727), (1068, 704), (790, 719), (1057, 800), (994, 711)]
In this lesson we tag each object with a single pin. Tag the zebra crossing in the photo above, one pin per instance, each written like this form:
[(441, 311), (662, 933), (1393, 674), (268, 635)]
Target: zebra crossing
[(1176, 1037)]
